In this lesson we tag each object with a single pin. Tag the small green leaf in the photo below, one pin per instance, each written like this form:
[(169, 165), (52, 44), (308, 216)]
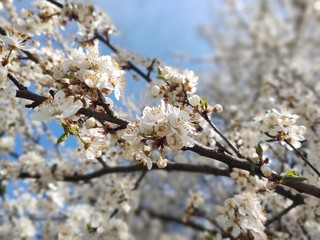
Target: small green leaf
[(73, 130), (91, 229), (291, 173), (62, 138), (91, 8), (203, 103), (285, 179), (259, 150), (72, 75), (160, 76)]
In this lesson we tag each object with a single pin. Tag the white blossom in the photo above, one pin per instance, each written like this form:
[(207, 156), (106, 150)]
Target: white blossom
[(6, 144), (244, 212), (194, 100), (281, 126), (167, 125), (93, 70), (59, 107), (15, 40)]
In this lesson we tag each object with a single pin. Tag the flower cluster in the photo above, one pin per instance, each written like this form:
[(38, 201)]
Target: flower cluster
[(243, 213), (174, 86), (84, 72), (160, 126), (245, 180), (281, 127), (89, 20)]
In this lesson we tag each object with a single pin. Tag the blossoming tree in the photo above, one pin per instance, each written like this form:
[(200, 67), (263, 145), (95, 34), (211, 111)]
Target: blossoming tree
[(175, 166)]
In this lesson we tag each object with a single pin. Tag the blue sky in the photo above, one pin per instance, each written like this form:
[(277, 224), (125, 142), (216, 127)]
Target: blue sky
[(157, 28)]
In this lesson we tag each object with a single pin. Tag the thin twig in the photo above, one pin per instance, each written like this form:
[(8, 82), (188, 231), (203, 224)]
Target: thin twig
[(150, 68), (102, 103), (100, 160), (233, 148), (169, 218), (142, 175), (213, 222), (283, 212), (304, 158)]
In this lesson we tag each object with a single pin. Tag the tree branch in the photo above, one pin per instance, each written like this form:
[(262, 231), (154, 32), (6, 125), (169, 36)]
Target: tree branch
[(136, 168), (234, 162), (171, 167), (231, 161)]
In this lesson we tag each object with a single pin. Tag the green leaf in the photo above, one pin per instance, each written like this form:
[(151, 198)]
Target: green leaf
[(160, 76), (91, 229), (285, 179), (91, 8), (259, 150), (72, 75), (291, 176), (62, 138), (73, 130), (291, 173), (203, 103)]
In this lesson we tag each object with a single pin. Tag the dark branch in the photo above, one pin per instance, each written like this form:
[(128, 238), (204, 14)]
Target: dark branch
[(135, 168), (234, 162), (16, 82), (142, 175), (56, 3), (38, 99), (100, 160)]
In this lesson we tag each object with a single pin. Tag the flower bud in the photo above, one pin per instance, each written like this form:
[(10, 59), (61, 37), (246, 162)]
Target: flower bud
[(90, 123), (271, 185), (58, 72), (217, 108), (194, 100), (155, 91), (162, 162), (266, 171)]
